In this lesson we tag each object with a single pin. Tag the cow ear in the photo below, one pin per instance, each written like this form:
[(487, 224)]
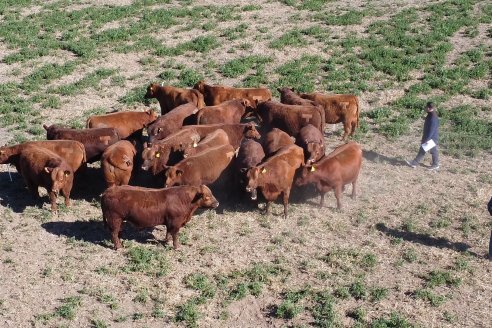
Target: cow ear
[(157, 154), (48, 169), (45, 127), (313, 168), (2, 152), (179, 173), (159, 130), (243, 170), (67, 173), (264, 170)]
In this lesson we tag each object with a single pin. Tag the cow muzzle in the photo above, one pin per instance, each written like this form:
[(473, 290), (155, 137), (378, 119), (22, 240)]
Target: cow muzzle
[(254, 196)]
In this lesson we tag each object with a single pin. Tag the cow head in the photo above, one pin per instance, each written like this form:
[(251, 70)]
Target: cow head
[(205, 198), (5, 153), (250, 131), (253, 176), (315, 150), (59, 178), (152, 116), (305, 175), (152, 90), (173, 176), (151, 159), (200, 86)]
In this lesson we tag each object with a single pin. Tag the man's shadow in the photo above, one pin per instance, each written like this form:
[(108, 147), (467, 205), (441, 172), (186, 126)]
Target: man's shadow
[(372, 156)]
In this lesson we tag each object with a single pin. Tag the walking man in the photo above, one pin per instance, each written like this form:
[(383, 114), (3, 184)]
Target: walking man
[(430, 138)]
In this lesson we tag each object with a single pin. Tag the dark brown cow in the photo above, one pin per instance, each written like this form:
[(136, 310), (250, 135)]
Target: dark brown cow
[(117, 163), (170, 97), (202, 168), (168, 151), (95, 141), (334, 171), (249, 155), (338, 108), (70, 150), (216, 94), (126, 123), (145, 208), (311, 140), (235, 132), (170, 122), (276, 139), (289, 118), (228, 112), (213, 139), (43, 168), (275, 176), (289, 97)]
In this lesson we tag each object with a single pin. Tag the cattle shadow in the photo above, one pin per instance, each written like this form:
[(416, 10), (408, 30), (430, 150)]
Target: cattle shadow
[(372, 156), (88, 184), (426, 240), (14, 193), (96, 233)]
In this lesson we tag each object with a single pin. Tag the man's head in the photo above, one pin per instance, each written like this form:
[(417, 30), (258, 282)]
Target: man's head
[(429, 107)]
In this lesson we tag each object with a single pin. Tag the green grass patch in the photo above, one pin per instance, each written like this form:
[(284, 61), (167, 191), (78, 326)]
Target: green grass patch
[(292, 38), (152, 262), (239, 66)]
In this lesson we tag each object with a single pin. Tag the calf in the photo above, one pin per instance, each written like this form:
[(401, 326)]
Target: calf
[(228, 112), (43, 168), (289, 97), (213, 139), (276, 139), (145, 208), (171, 97), (249, 154), (311, 140), (95, 141), (338, 108), (71, 151), (202, 168), (275, 176), (289, 118), (126, 123), (334, 171), (235, 132), (117, 163), (168, 151), (216, 94), (170, 122)]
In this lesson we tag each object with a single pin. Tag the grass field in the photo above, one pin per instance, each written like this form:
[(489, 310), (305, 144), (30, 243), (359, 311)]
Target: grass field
[(410, 251)]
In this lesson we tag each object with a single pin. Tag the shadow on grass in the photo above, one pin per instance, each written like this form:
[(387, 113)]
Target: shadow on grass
[(425, 239), (378, 158), (14, 193), (95, 232)]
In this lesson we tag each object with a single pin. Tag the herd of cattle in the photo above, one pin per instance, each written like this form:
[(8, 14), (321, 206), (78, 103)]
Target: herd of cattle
[(205, 140)]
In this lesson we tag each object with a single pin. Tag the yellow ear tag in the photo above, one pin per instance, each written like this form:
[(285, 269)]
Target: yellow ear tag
[(264, 170), (66, 174), (157, 155), (313, 168)]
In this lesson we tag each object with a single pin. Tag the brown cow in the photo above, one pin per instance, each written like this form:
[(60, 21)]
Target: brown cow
[(275, 176), (276, 139), (126, 123), (338, 108), (43, 168), (289, 97), (70, 150), (228, 112), (235, 132), (117, 163), (95, 141), (170, 97), (170, 122), (334, 171), (289, 118), (145, 208), (216, 94), (213, 139), (166, 152), (202, 168), (311, 140), (249, 154)]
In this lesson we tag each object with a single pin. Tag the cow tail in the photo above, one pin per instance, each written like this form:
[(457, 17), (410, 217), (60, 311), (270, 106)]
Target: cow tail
[(358, 110)]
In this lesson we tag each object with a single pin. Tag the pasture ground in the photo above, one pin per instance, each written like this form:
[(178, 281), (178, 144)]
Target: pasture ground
[(410, 251)]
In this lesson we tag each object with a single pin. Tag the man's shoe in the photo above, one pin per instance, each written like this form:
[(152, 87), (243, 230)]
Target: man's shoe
[(434, 168), (411, 164)]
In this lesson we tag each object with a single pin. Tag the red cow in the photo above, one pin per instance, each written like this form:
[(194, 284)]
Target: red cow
[(145, 208), (276, 139), (170, 122), (216, 94), (334, 171), (126, 123), (228, 112), (117, 163), (213, 139), (43, 168), (275, 176), (312, 142), (235, 132), (170, 97)]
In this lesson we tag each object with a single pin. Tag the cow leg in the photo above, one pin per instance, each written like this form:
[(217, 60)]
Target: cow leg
[(346, 129), (66, 194), (322, 200), (286, 202), (267, 208), (114, 225), (174, 233), (354, 193), (53, 202), (338, 195)]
